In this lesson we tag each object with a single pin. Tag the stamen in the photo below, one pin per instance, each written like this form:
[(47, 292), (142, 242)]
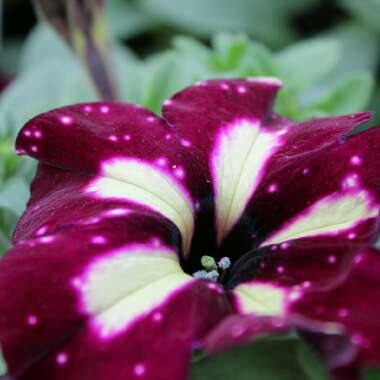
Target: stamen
[(208, 263), (215, 272), (224, 263), (200, 274), (212, 276)]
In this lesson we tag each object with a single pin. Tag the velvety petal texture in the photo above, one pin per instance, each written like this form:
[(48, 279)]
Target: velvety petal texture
[(345, 303), (309, 175), (94, 281), (125, 203)]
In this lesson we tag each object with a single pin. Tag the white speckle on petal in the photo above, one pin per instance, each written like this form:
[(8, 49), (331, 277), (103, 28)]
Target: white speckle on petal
[(360, 340), (155, 241), (98, 239), (32, 320), (117, 212), (216, 287), (356, 160), (343, 312), (185, 143), (66, 120), (306, 284), (112, 138), (295, 295), (139, 369), (179, 172), (104, 109), (282, 132), (350, 181), (62, 358), (47, 239), (162, 161), (41, 231), (76, 282), (331, 259), (241, 89), (272, 188), (157, 316), (37, 134)]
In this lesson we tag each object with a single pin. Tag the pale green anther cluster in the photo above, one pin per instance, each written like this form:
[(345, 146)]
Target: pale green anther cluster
[(212, 269)]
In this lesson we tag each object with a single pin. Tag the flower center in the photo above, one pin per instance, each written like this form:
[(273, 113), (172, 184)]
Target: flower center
[(213, 271)]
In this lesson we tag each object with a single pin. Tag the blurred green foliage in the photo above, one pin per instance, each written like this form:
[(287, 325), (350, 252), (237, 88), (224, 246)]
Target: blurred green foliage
[(275, 358)]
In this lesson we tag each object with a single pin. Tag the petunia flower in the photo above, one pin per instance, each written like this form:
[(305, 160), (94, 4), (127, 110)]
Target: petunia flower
[(147, 238)]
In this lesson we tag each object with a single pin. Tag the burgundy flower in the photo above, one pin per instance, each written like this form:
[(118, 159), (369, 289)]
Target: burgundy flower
[(126, 205)]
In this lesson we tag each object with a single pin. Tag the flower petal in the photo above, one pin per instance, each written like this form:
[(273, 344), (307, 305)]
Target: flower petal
[(238, 329), (320, 185), (94, 281), (223, 121), (342, 300), (352, 303), (272, 179), (309, 262), (135, 154)]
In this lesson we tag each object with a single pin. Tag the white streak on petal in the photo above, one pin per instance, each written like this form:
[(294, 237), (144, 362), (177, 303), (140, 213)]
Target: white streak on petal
[(149, 185), (129, 284), (261, 299), (330, 215), (237, 165)]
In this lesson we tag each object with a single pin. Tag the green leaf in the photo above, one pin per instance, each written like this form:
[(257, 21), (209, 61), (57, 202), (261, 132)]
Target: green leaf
[(266, 20), (3, 367), (239, 56), (311, 363), (305, 62), (366, 10), (125, 20), (53, 82), (43, 41), (372, 374), (167, 74), (14, 194), (5, 243), (39, 90), (352, 94), (10, 56), (266, 359), (359, 49)]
